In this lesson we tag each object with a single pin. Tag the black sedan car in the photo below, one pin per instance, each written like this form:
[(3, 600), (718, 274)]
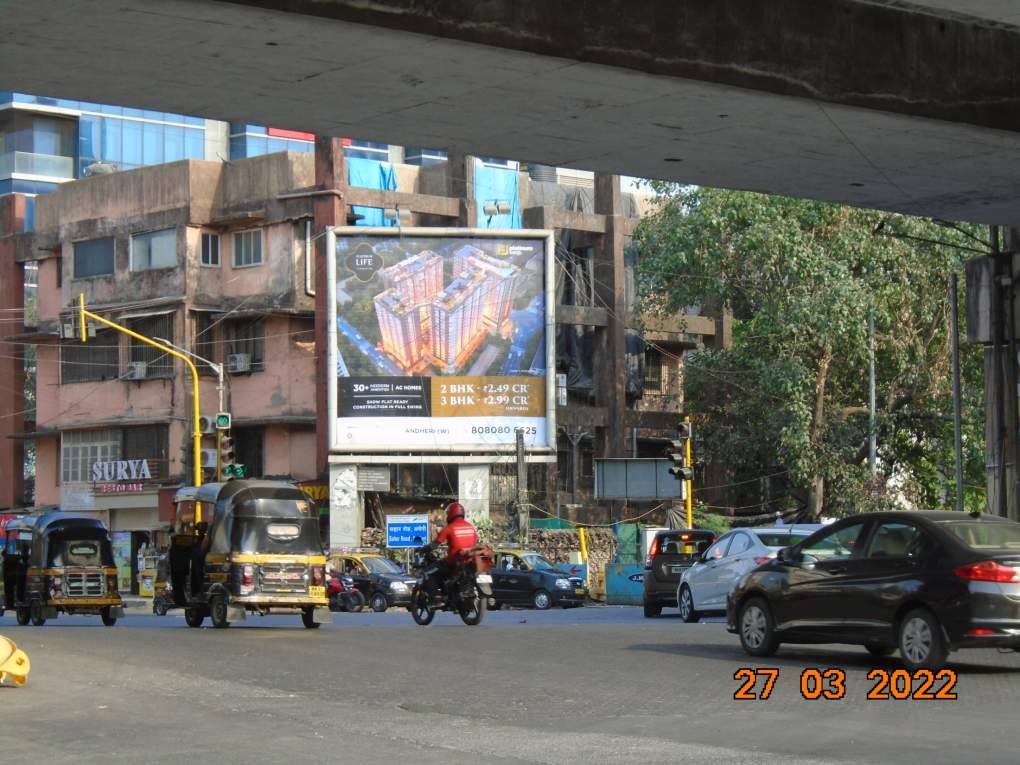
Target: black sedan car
[(525, 578), (925, 583)]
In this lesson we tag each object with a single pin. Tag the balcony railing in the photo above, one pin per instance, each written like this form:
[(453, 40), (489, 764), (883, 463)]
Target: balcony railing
[(47, 165)]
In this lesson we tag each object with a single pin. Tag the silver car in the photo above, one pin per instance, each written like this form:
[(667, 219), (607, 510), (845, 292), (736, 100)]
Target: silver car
[(704, 586)]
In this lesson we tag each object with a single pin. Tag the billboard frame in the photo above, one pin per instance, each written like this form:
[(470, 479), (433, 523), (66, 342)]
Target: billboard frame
[(332, 233)]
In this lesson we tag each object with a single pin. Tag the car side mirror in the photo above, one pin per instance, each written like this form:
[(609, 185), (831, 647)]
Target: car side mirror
[(787, 555)]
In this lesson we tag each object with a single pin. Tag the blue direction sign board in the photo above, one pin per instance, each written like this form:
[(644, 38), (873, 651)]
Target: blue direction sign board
[(407, 531)]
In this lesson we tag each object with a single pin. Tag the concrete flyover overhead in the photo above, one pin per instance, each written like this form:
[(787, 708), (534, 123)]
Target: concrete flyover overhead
[(911, 107)]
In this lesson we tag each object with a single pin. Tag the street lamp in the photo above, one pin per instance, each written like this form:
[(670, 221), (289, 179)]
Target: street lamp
[(217, 368)]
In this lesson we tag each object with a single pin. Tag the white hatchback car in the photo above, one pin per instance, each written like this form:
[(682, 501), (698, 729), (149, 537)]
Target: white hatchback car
[(704, 586)]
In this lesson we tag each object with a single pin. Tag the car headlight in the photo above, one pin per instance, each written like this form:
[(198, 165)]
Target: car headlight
[(562, 584), (398, 586)]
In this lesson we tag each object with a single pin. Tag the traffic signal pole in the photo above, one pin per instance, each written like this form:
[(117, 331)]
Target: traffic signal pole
[(689, 501), (83, 313)]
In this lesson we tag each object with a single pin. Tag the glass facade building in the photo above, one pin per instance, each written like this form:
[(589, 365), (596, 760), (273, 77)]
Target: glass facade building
[(47, 141)]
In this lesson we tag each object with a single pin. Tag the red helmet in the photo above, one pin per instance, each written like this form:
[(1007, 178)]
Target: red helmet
[(455, 510)]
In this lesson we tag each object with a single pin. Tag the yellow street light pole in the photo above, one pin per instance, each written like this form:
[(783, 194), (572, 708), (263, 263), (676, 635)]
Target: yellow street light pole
[(196, 428)]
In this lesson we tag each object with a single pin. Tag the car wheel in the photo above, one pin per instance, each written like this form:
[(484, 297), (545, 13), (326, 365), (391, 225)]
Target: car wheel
[(920, 640), (36, 611), (756, 628), (686, 604), (193, 617), (218, 612), (107, 616), (878, 650), (308, 618), (541, 600), (652, 610), (378, 602)]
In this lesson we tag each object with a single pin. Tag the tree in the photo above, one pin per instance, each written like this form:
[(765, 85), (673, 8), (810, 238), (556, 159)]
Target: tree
[(791, 394)]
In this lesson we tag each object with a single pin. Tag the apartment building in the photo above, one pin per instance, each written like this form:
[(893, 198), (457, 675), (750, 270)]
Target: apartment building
[(204, 256)]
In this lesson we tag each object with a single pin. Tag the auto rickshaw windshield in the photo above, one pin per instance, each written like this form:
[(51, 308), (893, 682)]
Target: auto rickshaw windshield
[(80, 547)]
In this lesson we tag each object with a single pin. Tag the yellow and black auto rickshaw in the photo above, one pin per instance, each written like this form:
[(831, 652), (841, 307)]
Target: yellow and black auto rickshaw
[(243, 547), (56, 562)]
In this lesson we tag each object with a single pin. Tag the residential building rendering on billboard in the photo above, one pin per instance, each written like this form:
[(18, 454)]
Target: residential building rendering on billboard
[(441, 340)]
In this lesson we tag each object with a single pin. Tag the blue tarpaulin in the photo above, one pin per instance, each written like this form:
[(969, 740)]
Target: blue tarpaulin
[(371, 174), (496, 184)]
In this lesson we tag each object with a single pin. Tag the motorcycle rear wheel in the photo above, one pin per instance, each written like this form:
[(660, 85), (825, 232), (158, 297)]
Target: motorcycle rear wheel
[(421, 607), (472, 611), (354, 602)]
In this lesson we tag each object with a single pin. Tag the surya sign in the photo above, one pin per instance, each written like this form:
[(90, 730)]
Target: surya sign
[(121, 470)]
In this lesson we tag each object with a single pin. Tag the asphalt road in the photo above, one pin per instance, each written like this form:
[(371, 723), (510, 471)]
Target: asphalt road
[(594, 685)]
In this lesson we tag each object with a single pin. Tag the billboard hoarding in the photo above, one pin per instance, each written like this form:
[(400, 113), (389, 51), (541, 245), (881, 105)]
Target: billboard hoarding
[(440, 339)]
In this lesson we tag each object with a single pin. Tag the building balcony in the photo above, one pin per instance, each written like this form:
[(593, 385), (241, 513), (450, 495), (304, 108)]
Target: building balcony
[(40, 165)]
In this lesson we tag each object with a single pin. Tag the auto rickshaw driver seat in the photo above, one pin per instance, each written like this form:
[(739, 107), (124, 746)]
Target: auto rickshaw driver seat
[(14, 663)]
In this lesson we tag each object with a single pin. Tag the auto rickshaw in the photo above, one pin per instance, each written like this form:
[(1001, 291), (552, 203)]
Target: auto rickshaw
[(56, 562), (243, 547)]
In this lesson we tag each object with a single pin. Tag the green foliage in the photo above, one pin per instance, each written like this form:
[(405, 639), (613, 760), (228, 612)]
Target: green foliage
[(717, 524), (791, 394)]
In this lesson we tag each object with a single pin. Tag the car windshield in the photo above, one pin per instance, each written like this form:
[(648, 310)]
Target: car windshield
[(537, 563), (985, 536), (382, 566)]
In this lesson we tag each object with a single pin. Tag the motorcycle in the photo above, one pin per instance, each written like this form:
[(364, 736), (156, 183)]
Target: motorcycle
[(466, 591), (343, 595)]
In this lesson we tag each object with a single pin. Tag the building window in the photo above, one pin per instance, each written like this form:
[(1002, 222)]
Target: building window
[(249, 450), (247, 336), (205, 341), (653, 371), (248, 248), (211, 250), (81, 449), (157, 363), (95, 361), (93, 258), (156, 249), (152, 444)]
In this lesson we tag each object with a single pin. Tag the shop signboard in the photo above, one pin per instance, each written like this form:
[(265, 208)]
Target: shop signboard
[(442, 340)]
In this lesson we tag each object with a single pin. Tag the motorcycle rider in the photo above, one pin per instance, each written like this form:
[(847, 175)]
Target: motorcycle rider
[(458, 535)]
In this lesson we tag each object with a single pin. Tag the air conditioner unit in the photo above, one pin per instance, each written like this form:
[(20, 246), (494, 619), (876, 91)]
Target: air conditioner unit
[(206, 425), (136, 370), (238, 362), (209, 458)]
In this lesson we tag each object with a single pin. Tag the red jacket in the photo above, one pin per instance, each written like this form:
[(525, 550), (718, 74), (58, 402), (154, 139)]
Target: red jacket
[(458, 536)]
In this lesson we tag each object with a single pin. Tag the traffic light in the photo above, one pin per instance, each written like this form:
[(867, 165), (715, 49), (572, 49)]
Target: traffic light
[(677, 452), (228, 466), (223, 421)]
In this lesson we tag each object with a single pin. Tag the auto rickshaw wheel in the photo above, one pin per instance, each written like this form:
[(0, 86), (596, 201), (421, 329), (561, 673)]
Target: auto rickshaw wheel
[(159, 608), (36, 610), (193, 617), (218, 612), (107, 616), (22, 615), (308, 618)]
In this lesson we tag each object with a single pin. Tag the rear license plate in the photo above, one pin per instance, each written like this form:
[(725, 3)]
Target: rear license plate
[(678, 569), (483, 579), (579, 591), (317, 592)]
